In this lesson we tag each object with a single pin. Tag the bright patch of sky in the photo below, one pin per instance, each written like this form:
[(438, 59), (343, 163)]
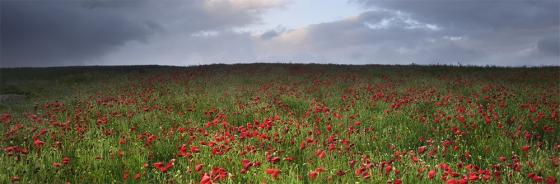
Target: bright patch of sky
[(301, 13)]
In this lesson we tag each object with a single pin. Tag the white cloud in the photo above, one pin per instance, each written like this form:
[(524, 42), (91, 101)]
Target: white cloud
[(254, 4), (205, 33)]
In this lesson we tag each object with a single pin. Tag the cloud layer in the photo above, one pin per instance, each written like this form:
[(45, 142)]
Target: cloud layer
[(435, 31), (77, 32), (86, 32)]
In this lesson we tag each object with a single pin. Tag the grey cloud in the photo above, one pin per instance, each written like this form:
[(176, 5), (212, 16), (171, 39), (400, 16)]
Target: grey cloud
[(356, 32), (352, 41), (436, 31), (269, 34), (68, 32), (428, 32), (185, 49), (34, 34), (550, 46), (498, 32), (478, 14)]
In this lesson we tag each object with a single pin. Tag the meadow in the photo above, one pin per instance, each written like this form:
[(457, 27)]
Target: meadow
[(280, 123)]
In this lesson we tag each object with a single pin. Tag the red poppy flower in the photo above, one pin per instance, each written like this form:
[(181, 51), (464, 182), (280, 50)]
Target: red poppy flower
[(164, 167), (421, 149), (388, 169), (473, 177), (320, 153), (206, 179), (56, 164), (274, 172), (525, 148), (432, 174), (125, 175), (122, 141), (313, 175), (195, 149), (246, 166), (66, 160), (550, 180), (38, 143), (137, 176), (198, 167)]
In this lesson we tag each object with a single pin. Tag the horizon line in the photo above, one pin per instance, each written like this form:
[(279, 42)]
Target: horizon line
[(459, 65)]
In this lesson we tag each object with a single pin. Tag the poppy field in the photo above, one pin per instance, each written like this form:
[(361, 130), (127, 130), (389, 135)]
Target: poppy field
[(280, 123)]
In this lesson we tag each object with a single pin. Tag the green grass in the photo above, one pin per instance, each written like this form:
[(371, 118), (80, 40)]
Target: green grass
[(400, 108)]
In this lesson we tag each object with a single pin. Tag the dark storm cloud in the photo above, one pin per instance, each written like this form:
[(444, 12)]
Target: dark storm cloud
[(61, 33), (74, 32)]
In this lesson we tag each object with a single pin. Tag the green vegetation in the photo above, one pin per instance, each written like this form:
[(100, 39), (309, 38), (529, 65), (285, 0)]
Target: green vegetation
[(305, 123)]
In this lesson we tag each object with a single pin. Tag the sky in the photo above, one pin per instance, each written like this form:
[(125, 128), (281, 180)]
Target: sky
[(40, 33)]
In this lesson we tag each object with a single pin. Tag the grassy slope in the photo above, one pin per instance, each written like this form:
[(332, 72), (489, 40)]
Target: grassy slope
[(150, 100)]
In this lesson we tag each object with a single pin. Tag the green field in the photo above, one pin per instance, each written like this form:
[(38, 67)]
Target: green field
[(280, 123)]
